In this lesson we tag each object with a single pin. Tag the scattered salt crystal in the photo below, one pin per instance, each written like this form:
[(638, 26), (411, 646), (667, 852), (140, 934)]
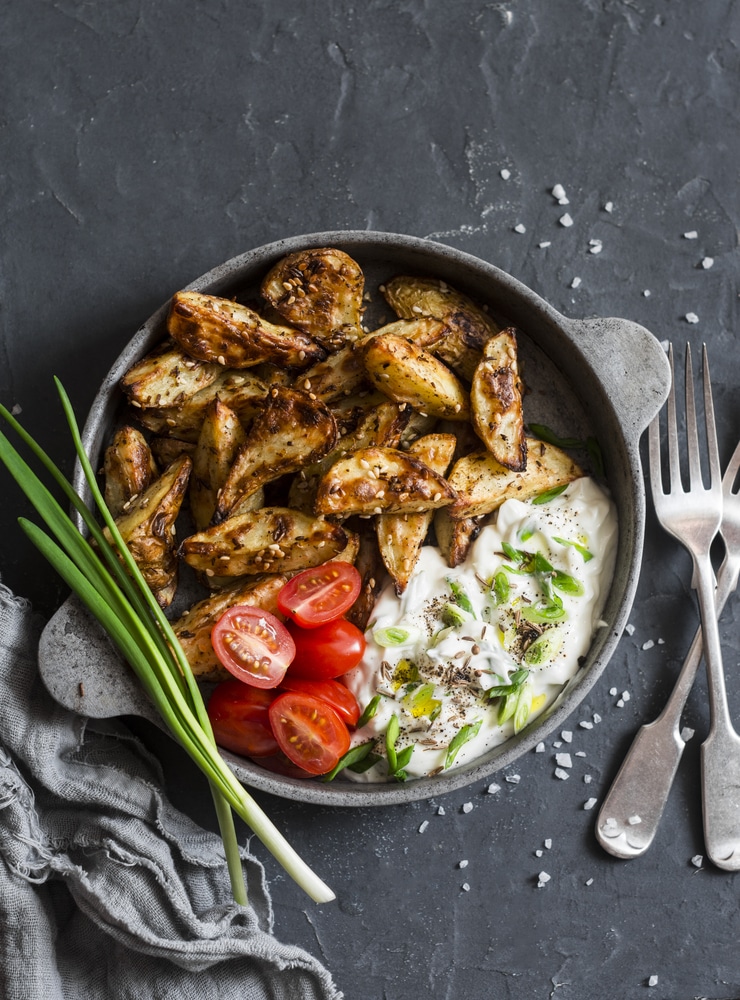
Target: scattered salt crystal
[(587, 779), (467, 807), (691, 318), (441, 811), (505, 174), (625, 696), (648, 645), (540, 748), (690, 235), (17, 409), (580, 753), (629, 629), (514, 779), (560, 773), (575, 282), (558, 192), (542, 879), (687, 734), (707, 262), (620, 703), (548, 843), (661, 642), (520, 228), (609, 206), (423, 826), (596, 246), (590, 803), (647, 293), (493, 788), (557, 743), (698, 860), (612, 691), (565, 220), (462, 864), (539, 852), (597, 718), (589, 881), (610, 822), (563, 760), (586, 725), (567, 736), (465, 887), (653, 981), (544, 243), (634, 820)]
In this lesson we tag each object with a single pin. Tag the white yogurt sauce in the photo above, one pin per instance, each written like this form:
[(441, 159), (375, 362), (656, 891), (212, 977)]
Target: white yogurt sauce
[(436, 681)]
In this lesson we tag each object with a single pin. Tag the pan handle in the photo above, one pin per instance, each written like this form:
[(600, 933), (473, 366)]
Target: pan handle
[(631, 365)]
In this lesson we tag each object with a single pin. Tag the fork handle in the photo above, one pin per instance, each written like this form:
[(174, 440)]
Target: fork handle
[(644, 780)]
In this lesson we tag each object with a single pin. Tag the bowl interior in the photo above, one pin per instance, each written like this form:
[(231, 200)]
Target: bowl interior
[(563, 392)]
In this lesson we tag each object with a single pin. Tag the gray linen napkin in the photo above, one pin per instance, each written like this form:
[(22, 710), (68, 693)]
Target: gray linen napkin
[(106, 890)]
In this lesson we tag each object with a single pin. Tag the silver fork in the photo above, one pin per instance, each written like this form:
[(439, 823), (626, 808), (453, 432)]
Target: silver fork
[(694, 517), (644, 780)]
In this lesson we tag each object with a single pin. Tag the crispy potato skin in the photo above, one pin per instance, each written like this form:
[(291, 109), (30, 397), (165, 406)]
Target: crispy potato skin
[(270, 540), (454, 537), (193, 629), (378, 481), (370, 567), (293, 430), (148, 528), (467, 327), (408, 374), (320, 292), (401, 536), (482, 483), (221, 436), (129, 468), (233, 335), (496, 401), (166, 377)]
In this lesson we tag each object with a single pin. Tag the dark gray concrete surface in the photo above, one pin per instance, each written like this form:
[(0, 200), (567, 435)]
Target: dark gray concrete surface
[(144, 143)]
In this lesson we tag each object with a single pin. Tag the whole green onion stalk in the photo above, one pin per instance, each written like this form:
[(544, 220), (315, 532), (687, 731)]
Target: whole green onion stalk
[(107, 580)]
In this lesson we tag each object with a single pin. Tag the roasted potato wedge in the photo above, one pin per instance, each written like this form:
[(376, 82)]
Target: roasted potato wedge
[(292, 430), (270, 540), (408, 374), (244, 393), (166, 377), (380, 425), (381, 481), (340, 375), (129, 468), (167, 449), (148, 528), (468, 327), (454, 537), (496, 401), (401, 536), (221, 437), (233, 335), (370, 567), (193, 629), (320, 292), (482, 483)]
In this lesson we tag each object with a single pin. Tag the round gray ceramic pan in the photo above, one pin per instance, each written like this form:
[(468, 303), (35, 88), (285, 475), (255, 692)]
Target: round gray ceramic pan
[(602, 377)]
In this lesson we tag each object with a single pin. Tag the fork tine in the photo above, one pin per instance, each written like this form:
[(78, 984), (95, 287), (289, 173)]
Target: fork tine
[(673, 456), (714, 466), (692, 435), (728, 480)]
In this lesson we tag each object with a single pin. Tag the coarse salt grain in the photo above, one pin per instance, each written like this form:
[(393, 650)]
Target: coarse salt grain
[(17, 409), (575, 283), (587, 779), (548, 843), (580, 753), (544, 243), (634, 820), (629, 629), (539, 852), (691, 235), (565, 220), (560, 773), (465, 887), (514, 779), (520, 228), (558, 192), (423, 826), (609, 206), (596, 246), (467, 807), (493, 788), (620, 703), (542, 879), (612, 691), (707, 262), (610, 823), (653, 981), (661, 642), (698, 860), (590, 803), (505, 174), (441, 811), (586, 725), (462, 864), (687, 734), (597, 718), (589, 881), (540, 748), (567, 736), (648, 645), (563, 760), (625, 696), (691, 318)]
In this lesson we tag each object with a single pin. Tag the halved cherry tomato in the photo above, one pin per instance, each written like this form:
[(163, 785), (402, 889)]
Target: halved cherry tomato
[(253, 645), (308, 731), (334, 693), (239, 714), (326, 651), (320, 594)]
